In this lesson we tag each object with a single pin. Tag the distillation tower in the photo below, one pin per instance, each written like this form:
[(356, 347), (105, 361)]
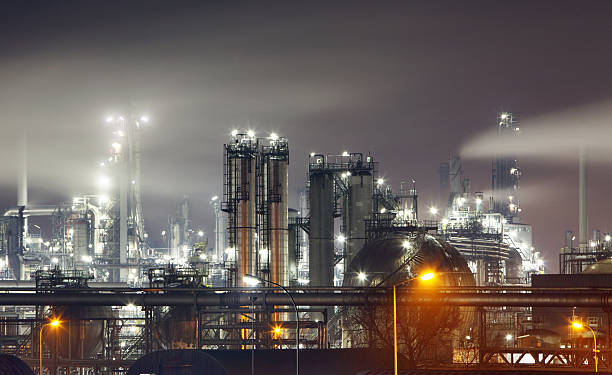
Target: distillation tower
[(255, 198)]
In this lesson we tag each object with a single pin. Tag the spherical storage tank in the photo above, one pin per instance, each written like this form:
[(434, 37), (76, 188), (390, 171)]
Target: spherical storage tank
[(400, 257), (81, 332)]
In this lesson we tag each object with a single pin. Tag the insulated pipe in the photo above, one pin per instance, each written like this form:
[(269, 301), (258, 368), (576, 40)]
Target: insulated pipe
[(232, 299)]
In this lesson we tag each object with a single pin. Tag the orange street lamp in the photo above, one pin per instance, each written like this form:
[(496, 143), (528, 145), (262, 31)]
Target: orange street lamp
[(578, 325), (52, 323), (424, 277)]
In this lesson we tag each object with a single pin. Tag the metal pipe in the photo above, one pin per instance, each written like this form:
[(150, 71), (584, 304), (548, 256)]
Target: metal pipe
[(538, 299)]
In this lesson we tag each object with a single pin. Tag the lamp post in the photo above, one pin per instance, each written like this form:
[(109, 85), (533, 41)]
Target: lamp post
[(425, 277), (579, 325), (53, 323), (254, 280)]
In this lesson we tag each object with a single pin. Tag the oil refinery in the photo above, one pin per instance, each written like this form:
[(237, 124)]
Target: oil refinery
[(352, 237)]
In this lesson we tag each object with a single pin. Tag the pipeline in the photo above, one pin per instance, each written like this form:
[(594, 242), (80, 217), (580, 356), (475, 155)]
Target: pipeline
[(346, 298)]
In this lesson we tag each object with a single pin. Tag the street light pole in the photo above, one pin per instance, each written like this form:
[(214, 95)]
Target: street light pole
[(394, 331), (53, 323), (424, 277), (253, 334), (579, 325), (297, 318)]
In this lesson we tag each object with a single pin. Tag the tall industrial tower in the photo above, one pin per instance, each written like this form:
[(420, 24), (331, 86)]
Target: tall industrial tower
[(506, 173), (124, 167), (255, 198)]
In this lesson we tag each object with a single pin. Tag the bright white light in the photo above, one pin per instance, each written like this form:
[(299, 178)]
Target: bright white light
[(103, 182), (504, 116), (312, 154), (116, 146), (144, 119), (380, 181), (264, 255), (109, 119), (203, 256), (163, 233), (303, 281), (54, 260), (406, 244), (444, 221), (468, 337), (250, 280), (120, 133), (234, 133), (433, 210), (250, 133), (341, 238), (345, 153), (478, 201), (133, 182), (200, 233), (102, 164), (607, 238), (121, 118), (540, 262), (86, 258), (273, 136), (362, 276), (229, 250), (383, 210), (214, 198), (508, 337)]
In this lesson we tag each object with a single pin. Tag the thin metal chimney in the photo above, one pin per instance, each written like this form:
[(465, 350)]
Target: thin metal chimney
[(582, 199), (22, 182)]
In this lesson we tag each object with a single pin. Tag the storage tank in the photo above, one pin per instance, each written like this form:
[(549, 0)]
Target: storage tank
[(402, 258), (79, 236), (81, 334)]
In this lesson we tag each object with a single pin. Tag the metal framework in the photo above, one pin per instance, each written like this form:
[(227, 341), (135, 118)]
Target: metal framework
[(576, 260), (213, 330)]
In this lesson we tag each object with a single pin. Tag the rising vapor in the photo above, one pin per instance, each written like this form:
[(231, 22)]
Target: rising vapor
[(553, 137)]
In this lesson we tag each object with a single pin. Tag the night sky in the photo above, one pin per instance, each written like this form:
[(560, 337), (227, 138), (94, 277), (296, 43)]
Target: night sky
[(410, 82)]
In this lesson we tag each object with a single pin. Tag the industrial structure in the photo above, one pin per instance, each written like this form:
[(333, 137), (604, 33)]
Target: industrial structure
[(103, 232), (578, 255), (488, 231), (255, 198), (350, 239)]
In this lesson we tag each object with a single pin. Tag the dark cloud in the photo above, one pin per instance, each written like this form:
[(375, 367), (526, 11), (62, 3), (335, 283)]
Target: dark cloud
[(410, 82)]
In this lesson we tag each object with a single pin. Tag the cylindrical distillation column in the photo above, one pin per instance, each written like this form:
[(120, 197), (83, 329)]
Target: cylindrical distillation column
[(321, 247), (278, 226)]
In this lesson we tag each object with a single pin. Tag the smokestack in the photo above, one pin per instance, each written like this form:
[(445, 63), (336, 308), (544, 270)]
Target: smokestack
[(582, 198), (22, 182)]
